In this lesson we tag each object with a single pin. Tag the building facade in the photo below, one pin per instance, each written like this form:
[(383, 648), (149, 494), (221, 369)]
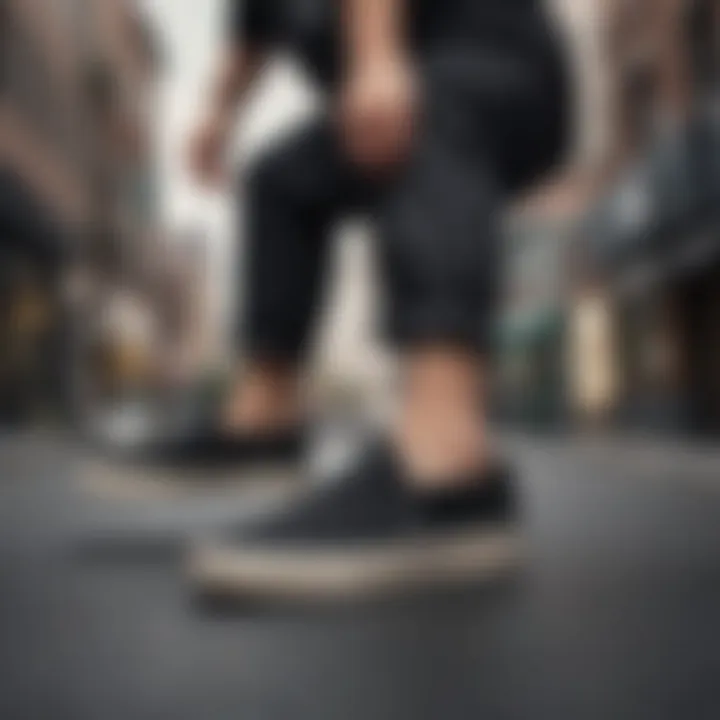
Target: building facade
[(652, 239), (619, 332), (74, 158)]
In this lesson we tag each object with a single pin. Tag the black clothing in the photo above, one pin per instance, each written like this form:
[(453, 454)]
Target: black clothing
[(310, 29), (493, 120), (490, 126)]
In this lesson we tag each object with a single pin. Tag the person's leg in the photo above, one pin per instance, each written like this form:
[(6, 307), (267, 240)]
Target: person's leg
[(424, 505), (294, 195), (439, 429), (440, 250), (428, 504), (492, 124)]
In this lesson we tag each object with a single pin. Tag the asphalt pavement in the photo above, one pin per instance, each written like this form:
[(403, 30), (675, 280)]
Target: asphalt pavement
[(616, 617)]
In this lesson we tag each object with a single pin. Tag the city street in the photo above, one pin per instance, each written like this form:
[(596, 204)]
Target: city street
[(616, 617), (208, 210)]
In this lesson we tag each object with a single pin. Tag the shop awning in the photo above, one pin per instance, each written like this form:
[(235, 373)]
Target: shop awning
[(674, 188)]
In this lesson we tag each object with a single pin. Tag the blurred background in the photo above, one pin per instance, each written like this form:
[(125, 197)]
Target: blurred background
[(116, 275), (116, 296)]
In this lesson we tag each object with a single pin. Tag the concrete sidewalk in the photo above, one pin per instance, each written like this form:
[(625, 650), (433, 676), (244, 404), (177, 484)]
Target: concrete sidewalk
[(616, 616), (670, 459)]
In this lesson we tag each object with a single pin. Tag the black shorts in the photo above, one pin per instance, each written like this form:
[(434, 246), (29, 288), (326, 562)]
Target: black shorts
[(491, 125)]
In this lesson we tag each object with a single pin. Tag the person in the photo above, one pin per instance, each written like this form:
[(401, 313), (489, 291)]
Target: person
[(437, 113)]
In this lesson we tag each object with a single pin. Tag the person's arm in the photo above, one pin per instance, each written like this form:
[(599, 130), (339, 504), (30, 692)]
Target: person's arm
[(374, 31), (379, 103), (237, 69), (239, 63)]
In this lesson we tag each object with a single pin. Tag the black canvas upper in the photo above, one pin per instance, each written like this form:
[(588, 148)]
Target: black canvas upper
[(213, 449), (375, 503)]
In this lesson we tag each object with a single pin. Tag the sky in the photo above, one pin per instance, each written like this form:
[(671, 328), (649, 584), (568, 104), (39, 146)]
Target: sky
[(187, 30)]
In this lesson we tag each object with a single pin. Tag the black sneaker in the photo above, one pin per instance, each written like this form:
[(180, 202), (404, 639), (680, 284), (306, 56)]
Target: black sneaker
[(187, 434), (211, 448), (152, 503), (366, 535), (195, 464)]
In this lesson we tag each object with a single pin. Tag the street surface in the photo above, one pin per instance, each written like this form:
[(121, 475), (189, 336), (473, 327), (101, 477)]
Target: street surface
[(616, 618)]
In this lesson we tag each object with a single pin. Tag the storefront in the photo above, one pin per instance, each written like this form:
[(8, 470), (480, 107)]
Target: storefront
[(656, 242), (531, 384), (531, 376), (31, 325)]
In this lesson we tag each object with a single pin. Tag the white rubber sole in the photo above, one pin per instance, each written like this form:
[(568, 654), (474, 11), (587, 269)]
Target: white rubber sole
[(298, 574)]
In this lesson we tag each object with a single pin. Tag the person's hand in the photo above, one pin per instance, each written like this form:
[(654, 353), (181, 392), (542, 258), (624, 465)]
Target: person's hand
[(378, 113), (207, 151)]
